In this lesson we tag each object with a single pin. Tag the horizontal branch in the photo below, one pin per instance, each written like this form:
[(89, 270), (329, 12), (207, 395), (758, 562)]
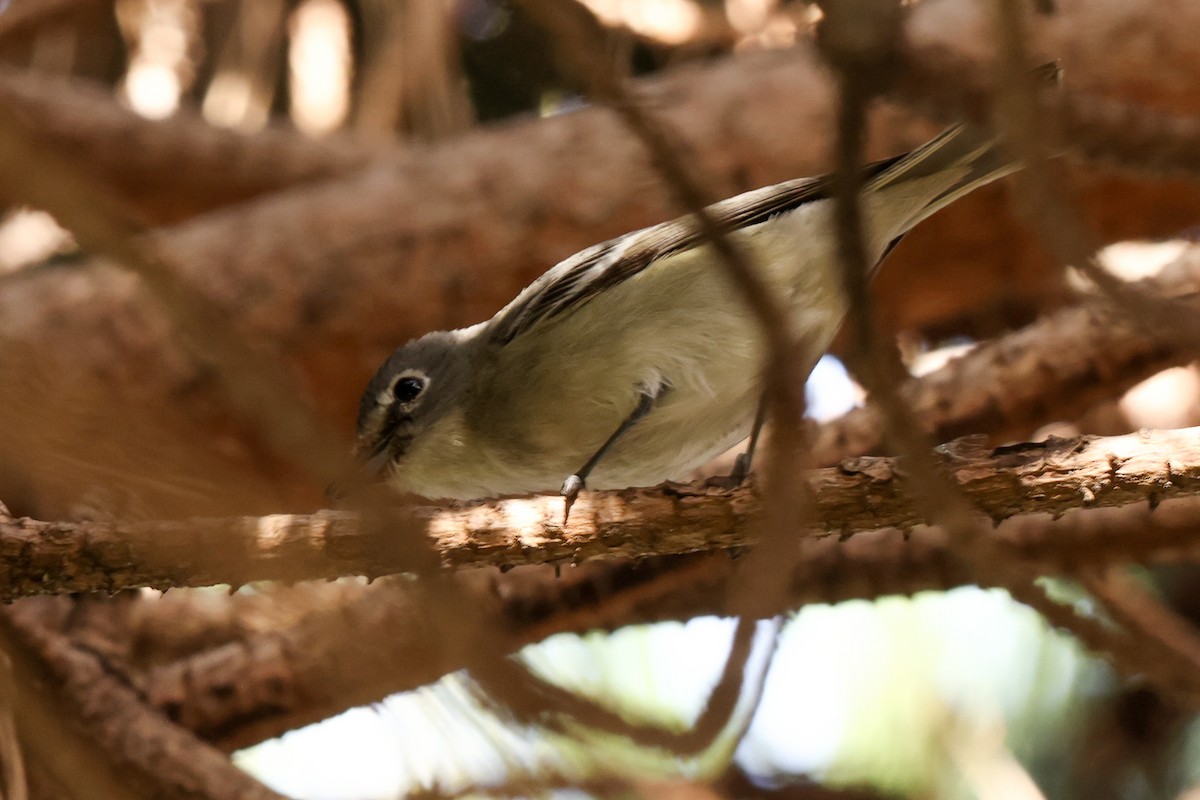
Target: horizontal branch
[(861, 494), (389, 637)]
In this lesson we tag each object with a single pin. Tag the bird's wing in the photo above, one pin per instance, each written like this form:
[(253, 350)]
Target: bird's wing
[(588, 273)]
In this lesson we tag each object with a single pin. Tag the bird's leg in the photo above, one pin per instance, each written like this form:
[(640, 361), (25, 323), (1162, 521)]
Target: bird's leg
[(741, 465), (574, 483)]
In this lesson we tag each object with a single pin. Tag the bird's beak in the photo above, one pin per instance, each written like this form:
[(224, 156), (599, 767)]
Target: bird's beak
[(364, 473)]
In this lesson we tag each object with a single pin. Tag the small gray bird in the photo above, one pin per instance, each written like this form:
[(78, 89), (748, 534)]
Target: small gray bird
[(636, 360)]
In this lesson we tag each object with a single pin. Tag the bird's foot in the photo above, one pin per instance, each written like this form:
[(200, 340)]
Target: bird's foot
[(735, 478), (570, 490)]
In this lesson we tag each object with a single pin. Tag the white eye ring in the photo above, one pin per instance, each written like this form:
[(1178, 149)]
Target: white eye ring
[(407, 388)]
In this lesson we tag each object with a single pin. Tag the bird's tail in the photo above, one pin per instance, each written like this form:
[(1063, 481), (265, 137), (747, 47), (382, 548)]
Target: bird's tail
[(931, 177)]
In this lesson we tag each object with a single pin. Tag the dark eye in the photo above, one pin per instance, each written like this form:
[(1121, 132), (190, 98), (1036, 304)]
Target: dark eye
[(407, 389)]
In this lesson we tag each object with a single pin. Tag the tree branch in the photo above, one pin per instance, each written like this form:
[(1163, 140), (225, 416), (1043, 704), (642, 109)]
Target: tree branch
[(387, 638), (125, 750), (164, 171), (862, 494)]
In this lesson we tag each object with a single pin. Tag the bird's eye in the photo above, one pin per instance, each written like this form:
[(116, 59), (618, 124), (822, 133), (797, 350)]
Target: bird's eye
[(407, 389)]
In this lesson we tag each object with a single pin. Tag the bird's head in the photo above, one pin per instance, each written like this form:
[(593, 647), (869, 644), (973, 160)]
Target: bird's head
[(418, 385)]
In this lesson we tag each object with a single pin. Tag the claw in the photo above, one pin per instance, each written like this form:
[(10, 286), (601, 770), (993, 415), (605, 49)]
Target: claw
[(735, 478), (741, 468), (570, 490)]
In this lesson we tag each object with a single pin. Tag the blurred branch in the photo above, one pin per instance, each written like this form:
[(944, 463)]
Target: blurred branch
[(948, 83), (254, 385), (411, 83), (510, 690), (174, 625), (94, 733), (12, 759), (1049, 477), (1044, 198), (1129, 654), (249, 65), (167, 170), (1125, 135), (275, 681), (272, 681), (1170, 642), (1056, 368), (46, 724), (21, 14), (1141, 636), (860, 39)]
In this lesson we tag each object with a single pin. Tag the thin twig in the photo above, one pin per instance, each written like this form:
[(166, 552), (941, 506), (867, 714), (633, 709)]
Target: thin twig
[(529, 699), (878, 362), (1128, 654), (1171, 641)]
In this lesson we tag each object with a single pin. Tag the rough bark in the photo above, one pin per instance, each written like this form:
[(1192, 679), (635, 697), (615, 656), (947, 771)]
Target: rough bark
[(96, 733), (388, 637), (336, 274), (861, 494)]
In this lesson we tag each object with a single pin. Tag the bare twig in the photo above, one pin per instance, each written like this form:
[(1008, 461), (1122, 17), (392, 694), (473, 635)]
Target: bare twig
[(860, 41), (1171, 642), (529, 699)]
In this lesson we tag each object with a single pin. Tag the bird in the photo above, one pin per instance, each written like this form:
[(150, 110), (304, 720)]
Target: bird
[(637, 360)]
